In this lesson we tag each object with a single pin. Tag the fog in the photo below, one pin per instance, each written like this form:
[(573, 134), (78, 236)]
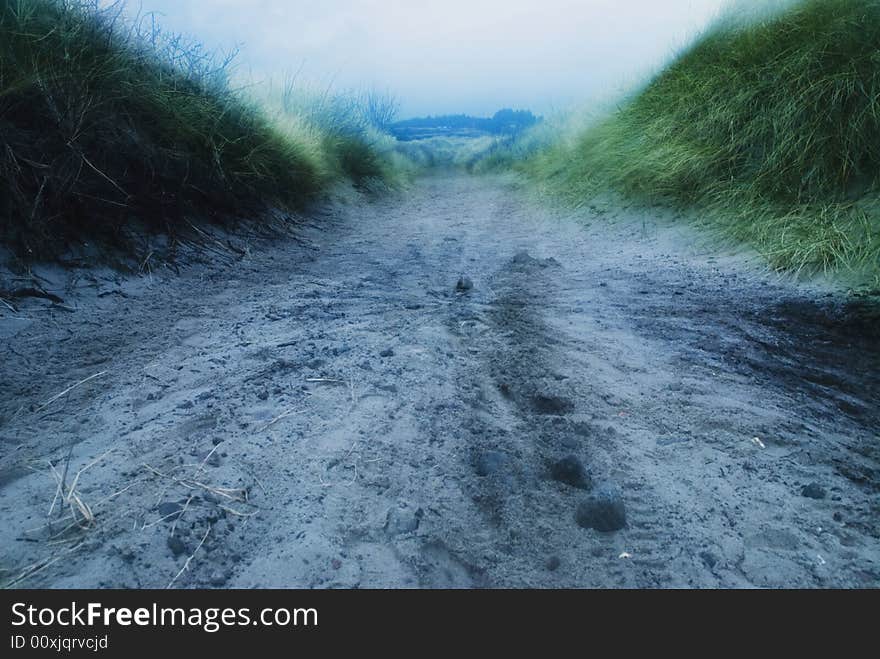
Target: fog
[(456, 56)]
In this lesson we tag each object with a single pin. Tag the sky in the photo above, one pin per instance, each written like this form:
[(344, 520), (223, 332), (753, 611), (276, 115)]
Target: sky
[(471, 56)]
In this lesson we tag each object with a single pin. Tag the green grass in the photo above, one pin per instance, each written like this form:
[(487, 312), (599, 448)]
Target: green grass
[(768, 128), (445, 153), (108, 133), (349, 129)]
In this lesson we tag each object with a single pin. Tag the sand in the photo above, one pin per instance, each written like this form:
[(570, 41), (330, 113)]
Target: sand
[(334, 411)]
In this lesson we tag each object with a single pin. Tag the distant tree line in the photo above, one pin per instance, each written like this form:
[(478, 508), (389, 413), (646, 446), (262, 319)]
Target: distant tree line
[(503, 122)]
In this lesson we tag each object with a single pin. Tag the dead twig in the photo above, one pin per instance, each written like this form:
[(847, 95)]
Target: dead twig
[(80, 511), (69, 389), (30, 291), (353, 391), (233, 494), (104, 176), (286, 413), (189, 499), (34, 568), (190, 558), (59, 491), (237, 513)]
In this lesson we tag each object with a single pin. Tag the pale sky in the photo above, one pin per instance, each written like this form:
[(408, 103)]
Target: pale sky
[(472, 56)]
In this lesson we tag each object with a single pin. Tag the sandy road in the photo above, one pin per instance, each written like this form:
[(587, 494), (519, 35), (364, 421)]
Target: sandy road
[(332, 412)]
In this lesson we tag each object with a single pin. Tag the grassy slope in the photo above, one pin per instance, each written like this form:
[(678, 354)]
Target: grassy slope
[(771, 128), (105, 133), (349, 129)]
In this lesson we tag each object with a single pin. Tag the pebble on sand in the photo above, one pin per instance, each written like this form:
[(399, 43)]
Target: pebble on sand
[(571, 471), (490, 463), (813, 491), (176, 545), (551, 405), (464, 285), (709, 559), (603, 511), (219, 578), (402, 519), (522, 257)]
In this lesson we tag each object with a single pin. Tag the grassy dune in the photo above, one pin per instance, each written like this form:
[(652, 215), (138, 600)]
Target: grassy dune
[(109, 131), (768, 127)]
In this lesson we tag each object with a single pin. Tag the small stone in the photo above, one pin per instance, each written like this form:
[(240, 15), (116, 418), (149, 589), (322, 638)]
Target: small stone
[(464, 285), (176, 545), (553, 563), (403, 519), (552, 405), (522, 257), (263, 394), (837, 517), (388, 352), (604, 511), (489, 463), (709, 559), (813, 491), (570, 470), (218, 578)]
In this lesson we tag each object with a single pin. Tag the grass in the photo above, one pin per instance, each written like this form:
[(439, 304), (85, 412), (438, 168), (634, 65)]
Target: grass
[(445, 153), (348, 129), (769, 128), (109, 131)]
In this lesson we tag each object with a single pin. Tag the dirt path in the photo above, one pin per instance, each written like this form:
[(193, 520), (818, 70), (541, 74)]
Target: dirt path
[(332, 412)]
